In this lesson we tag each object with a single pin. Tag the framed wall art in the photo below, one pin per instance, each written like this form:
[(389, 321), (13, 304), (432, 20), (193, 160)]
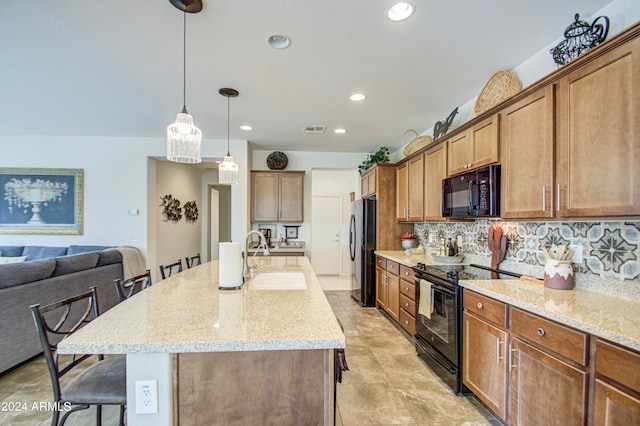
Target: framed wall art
[(41, 201)]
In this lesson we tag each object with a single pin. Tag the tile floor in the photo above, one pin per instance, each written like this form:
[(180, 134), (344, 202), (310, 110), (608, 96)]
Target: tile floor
[(386, 384)]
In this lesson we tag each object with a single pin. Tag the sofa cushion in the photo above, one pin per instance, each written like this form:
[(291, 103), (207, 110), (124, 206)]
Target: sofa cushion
[(40, 252), (76, 263), (25, 272), (13, 259), (11, 251), (109, 257), (84, 249)]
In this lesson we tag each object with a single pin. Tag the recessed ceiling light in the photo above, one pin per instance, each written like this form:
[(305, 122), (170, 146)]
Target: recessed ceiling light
[(401, 11), (358, 97), (340, 131), (245, 127), (278, 41)]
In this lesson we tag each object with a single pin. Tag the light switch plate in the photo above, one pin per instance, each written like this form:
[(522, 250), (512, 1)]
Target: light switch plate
[(146, 396), (577, 253)]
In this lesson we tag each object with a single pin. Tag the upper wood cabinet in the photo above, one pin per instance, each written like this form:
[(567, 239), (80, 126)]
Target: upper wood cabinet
[(368, 183), (277, 196), (527, 156), (409, 190), (435, 164), (475, 147), (599, 136)]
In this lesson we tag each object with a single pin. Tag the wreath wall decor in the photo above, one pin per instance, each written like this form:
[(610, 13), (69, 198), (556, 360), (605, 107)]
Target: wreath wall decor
[(171, 210), (190, 211)]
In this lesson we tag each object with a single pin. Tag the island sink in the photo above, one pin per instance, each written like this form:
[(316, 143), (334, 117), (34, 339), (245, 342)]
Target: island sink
[(278, 280)]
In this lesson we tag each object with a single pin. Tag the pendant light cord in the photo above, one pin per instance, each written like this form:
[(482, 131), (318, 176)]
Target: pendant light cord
[(228, 125), (184, 59)]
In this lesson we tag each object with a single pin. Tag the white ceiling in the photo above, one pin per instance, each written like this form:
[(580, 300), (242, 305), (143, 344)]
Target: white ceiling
[(114, 67)]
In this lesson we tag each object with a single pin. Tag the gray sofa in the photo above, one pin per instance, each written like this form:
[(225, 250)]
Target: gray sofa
[(48, 275)]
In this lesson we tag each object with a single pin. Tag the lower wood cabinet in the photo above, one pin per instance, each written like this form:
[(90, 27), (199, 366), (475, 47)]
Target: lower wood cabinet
[(614, 407), (395, 293), (393, 296)]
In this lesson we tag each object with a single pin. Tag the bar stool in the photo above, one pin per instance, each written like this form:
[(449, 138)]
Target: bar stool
[(103, 383), (193, 261), (127, 288), (168, 270)]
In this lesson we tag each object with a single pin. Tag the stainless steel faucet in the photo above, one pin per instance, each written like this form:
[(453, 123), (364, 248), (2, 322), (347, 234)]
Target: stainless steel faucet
[(265, 250)]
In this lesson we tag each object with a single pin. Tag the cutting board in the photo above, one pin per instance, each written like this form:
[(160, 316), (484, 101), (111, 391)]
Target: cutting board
[(498, 245)]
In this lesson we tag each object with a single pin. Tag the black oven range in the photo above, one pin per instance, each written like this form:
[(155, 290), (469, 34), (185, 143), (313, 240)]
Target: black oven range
[(438, 335)]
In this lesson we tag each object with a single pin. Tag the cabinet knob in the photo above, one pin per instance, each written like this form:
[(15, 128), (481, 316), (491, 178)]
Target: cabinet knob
[(479, 305), (406, 305), (406, 289), (406, 322), (540, 332)]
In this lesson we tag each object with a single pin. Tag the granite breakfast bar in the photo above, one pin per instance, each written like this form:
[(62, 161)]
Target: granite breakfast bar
[(249, 356)]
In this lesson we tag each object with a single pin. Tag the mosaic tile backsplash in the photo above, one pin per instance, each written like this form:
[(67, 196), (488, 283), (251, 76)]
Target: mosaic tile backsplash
[(610, 249)]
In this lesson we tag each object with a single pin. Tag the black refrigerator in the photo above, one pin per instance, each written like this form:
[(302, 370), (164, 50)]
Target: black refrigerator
[(362, 244)]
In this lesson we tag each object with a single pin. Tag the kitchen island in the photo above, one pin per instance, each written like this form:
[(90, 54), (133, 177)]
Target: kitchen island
[(223, 356)]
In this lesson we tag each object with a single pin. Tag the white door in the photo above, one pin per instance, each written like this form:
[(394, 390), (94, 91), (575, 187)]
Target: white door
[(326, 220), (214, 223)]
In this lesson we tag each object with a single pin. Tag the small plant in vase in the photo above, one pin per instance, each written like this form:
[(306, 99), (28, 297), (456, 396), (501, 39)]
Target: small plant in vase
[(408, 240)]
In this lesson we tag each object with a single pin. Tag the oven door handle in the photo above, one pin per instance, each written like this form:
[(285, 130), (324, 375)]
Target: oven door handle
[(442, 289), (446, 367)]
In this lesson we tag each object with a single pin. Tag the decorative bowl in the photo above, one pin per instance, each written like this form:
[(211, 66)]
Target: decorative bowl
[(408, 244), (450, 260)]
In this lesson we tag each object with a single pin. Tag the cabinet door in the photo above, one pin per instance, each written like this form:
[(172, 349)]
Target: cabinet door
[(393, 296), (364, 186), (545, 390), (264, 197), (484, 142), (291, 197), (402, 192), (381, 287), (435, 170), (416, 189), (484, 362), (371, 182), (614, 407), (527, 157), (599, 136), (458, 154)]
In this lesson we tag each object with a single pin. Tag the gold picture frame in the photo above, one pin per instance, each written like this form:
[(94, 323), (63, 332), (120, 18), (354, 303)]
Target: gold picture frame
[(41, 201)]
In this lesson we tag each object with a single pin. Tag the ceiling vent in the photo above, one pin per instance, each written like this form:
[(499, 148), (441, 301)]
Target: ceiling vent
[(314, 128)]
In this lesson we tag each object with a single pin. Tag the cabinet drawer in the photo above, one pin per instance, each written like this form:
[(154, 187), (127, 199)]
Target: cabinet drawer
[(619, 364), (558, 338), (381, 262), (408, 288), (486, 307), (408, 304), (407, 322), (393, 267), (406, 273)]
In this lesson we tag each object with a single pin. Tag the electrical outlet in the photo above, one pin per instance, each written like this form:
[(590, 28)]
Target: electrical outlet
[(577, 253), (146, 396)]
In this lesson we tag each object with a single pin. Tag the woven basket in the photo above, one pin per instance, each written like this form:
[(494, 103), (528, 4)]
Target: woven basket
[(501, 86), (417, 143)]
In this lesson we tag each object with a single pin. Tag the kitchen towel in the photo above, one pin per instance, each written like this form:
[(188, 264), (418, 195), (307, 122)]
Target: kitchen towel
[(229, 265), (425, 303)]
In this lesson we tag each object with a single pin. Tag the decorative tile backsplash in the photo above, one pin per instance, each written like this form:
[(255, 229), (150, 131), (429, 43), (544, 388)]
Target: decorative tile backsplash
[(610, 249)]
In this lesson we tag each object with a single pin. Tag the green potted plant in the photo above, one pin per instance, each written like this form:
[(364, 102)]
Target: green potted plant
[(379, 156)]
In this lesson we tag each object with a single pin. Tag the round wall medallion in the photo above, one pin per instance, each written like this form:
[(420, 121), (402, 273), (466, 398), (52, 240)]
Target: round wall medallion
[(277, 160)]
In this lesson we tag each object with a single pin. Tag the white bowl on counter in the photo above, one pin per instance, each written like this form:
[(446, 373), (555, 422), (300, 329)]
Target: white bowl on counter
[(449, 260)]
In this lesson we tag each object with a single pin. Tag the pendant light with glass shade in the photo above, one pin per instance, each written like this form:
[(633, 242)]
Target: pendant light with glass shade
[(228, 169), (184, 139)]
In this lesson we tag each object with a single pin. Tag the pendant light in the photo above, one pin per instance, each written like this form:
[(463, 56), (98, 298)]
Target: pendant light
[(228, 170), (184, 139)]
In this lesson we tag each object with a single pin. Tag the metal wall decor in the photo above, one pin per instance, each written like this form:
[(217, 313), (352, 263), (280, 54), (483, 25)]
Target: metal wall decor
[(171, 210), (442, 127), (277, 160), (190, 211), (579, 38)]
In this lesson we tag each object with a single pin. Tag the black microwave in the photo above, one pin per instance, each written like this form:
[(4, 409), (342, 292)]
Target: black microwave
[(472, 194)]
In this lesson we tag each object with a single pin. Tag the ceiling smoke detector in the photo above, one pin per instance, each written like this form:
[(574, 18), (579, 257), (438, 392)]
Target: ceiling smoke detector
[(314, 128)]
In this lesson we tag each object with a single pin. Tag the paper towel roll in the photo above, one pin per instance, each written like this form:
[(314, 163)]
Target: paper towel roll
[(230, 264)]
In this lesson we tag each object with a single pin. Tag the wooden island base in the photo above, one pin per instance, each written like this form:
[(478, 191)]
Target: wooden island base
[(264, 387)]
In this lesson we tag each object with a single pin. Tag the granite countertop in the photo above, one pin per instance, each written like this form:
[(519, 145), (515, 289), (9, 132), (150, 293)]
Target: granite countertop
[(607, 316), (187, 313)]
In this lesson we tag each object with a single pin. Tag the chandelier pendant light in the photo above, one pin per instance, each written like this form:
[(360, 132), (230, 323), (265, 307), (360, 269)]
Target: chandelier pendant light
[(184, 139), (228, 169)]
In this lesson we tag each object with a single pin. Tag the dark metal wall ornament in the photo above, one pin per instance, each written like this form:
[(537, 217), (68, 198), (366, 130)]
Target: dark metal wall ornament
[(190, 211), (442, 127), (277, 160), (171, 210), (579, 38)]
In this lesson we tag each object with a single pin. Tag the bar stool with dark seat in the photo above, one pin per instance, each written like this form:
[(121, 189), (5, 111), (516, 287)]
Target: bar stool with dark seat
[(127, 288), (193, 261), (102, 383), (170, 269)]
